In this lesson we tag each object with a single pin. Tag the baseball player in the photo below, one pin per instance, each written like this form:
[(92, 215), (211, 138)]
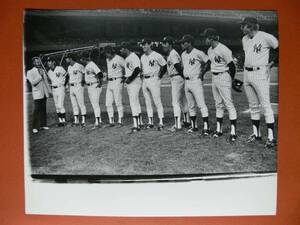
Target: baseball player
[(93, 79), (76, 82), (192, 61), (257, 45), (40, 92), (223, 70), (115, 77), (57, 76), (134, 83), (177, 82), (154, 66)]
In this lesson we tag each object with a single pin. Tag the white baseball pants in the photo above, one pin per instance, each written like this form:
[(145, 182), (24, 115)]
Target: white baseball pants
[(195, 97), (77, 99), (257, 88), (94, 96), (133, 90), (151, 87), (59, 97), (114, 94), (221, 88), (179, 101)]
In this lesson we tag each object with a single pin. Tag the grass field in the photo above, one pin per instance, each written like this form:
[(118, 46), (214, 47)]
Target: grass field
[(112, 151)]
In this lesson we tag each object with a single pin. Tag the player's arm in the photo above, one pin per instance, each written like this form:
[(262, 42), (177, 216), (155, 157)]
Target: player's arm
[(163, 66), (134, 74), (179, 68), (67, 78), (204, 69), (232, 69), (162, 71)]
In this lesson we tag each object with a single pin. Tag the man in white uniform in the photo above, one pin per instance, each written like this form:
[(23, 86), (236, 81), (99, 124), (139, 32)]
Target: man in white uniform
[(57, 76), (257, 45), (133, 82), (115, 77), (174, 67), (40, 92), (76, 82), (154, 66), (192, 61), (93, 80), (223, 71)]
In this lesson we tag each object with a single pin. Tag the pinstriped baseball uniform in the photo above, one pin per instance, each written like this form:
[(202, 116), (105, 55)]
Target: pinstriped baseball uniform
[(220, 57), (151, 65), (115, 72), (179, 101), (57, 78), (76, 90), (91, 70), (256, 82), (132, 61), (193, 85)]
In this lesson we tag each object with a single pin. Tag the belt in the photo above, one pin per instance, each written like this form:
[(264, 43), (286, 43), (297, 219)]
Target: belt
[(90, 84), (174, 75), (114, 78), (54, 86), (252, 68), (146, 77), (217, 73), (187, 78), (74, 84)]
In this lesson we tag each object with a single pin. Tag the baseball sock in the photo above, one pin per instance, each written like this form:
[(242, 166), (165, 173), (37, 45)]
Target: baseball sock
[(270, 131), (76, 119), (140, 119), (219, 124), (63, 116), (120, 120), (135, 121), (111, 120), (256, 130), (82, 118), (161, 121), (150, 119), (193, 121), (205, 123), (59, 117), (186, 118), (233, 127), (97, 120)]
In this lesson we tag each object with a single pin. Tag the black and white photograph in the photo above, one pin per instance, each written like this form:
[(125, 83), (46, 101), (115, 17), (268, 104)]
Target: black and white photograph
[(163, 97)]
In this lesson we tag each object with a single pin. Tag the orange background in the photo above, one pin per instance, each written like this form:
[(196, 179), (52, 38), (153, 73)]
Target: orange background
[(11, 130)]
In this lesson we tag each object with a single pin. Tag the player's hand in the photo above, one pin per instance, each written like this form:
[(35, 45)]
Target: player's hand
[(99, 85)]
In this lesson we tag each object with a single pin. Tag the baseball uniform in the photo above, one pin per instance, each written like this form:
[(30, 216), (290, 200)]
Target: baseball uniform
[(193, 85), (94, 92), (115, 73), (179, 101), (57, 78), (220, 57), (151, 65), (132, 62), (256, 77), (76, 73)]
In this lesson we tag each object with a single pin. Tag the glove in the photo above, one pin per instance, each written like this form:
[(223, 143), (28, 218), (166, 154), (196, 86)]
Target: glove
[(237, 85), (99, 84)]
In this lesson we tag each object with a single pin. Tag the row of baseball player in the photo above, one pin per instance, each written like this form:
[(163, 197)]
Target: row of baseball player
[(186, 73)]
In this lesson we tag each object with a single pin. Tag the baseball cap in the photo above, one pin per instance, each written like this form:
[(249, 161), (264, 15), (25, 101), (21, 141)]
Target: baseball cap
[(125, 44), (168, 39), (249, 20), (146, 40), (187, 38), (209, 32), (49, 58), (70, 55)]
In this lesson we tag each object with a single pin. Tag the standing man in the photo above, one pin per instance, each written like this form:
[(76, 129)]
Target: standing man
[(115, 77), (257, 45), (223, 71), (192, 61), (76, 81), (154, 66), (93, 80), (134, 83), (177, 82), (57, 76), (40, 92)]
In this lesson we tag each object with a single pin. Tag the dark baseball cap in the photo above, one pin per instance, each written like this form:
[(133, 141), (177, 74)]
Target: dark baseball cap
[(84, 55), (209, 32), (125, 44), (49, 58), (168, 39), (187, 38), (249, 20), (146, 40), (70, 55)]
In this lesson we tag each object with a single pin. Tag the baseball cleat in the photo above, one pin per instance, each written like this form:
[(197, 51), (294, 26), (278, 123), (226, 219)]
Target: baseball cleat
[(109, 125), (75, 124), (217, 134), (82, 124), (205, 132), (186, 124), (119, 125), (270, 143), (44, 128), (60, 124), (35, 131), (149, 126), (232, 138), (192, 130), (135, 129), (96, 126), (160, 127), (253, 138), (174, 129)]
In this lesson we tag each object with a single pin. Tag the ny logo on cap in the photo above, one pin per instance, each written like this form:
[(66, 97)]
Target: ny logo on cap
[(257, 48)]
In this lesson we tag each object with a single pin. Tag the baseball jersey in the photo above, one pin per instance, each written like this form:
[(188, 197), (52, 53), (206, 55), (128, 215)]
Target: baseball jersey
[(75, 72), (257, 49), (91, 70), (219, 57), (57, 76), (132, 61), (172, 59), (192, 62), (152, 63), (115, 66)]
